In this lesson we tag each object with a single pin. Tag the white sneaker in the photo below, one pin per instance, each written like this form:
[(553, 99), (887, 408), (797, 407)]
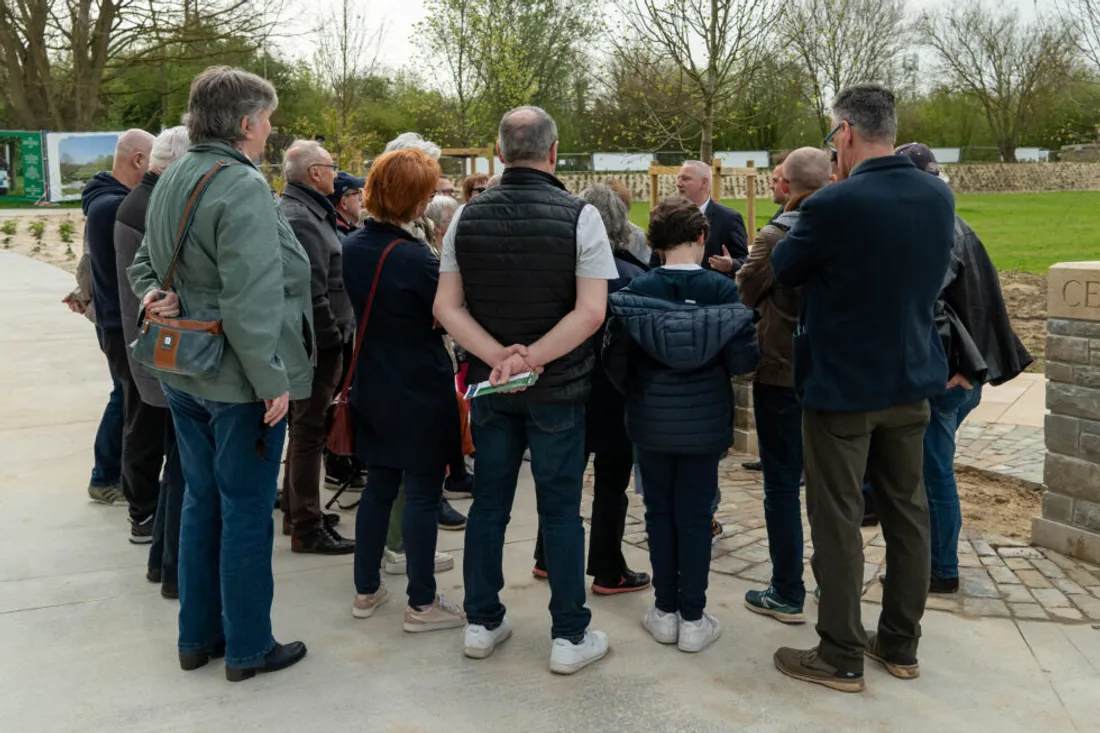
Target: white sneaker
[(695, 636), (394, 563), (663, 627), (480, 642), (568, 658)]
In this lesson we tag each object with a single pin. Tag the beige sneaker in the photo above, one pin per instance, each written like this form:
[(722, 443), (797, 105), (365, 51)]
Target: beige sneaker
[(442, 614), (393, 563), (364, 606)]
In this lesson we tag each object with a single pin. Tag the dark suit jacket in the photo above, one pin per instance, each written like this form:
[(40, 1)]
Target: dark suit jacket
[(871, 254), (726, 228)]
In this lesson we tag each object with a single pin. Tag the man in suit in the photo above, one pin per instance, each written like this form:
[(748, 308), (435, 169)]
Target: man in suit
[(870, 253), (727, 242)]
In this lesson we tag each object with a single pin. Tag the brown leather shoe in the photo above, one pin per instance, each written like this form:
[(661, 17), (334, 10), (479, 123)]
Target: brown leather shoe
[(806, 665), (902, 667), (323, 541)]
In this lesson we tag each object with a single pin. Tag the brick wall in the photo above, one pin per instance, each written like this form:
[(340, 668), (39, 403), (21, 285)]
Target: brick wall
[(975, 178)]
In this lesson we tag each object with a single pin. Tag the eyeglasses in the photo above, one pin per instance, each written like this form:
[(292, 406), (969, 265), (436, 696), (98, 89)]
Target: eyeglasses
[(829, 138), (333, 166), (479, 189)]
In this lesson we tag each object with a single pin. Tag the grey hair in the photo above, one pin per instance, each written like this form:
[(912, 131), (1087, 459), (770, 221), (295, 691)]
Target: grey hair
[(612, 211), (169, 147), (870, 109), (807, 169), (441, 209), (526, 135), (412, 140), (221, 97), (700, 167), (493, 183), (299, 157)]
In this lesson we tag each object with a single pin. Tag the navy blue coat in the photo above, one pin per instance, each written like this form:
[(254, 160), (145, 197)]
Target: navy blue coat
[(403, 394), (100, 201), (871, 253), (674, 339)]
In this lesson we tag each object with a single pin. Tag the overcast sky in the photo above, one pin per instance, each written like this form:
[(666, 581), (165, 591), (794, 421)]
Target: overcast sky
[(400, 17)]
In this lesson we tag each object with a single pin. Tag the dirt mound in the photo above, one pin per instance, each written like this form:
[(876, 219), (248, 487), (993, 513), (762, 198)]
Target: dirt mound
[(997, 504), (1026, 297)]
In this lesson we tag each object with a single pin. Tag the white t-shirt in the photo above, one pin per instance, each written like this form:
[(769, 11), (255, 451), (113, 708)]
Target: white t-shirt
[(594, 259)]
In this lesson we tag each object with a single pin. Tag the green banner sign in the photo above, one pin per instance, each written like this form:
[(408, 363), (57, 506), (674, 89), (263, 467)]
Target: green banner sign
[(22, 166)]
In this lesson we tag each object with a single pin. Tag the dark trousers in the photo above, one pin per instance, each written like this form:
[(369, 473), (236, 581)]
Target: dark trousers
[(165, 550), (419, 529), (231, 466), (505, 426), (107, 470), (142, 435), (839, 449), (306, 446), (679, 490), (609, 504), (779, 433)]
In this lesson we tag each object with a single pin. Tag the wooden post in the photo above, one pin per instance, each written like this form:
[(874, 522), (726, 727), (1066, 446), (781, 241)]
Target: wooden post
[(653, 185), (716, 180), (750, 194), (492, 160)]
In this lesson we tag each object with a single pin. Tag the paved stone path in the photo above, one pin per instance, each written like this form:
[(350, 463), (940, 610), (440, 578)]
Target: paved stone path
[(1000, 577), (1011, 450)]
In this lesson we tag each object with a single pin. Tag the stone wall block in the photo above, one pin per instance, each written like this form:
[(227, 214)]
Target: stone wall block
[(1074, 400), (1071, 349)]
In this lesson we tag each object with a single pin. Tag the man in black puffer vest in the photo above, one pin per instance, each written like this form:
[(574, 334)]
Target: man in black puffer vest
[(523, 286)]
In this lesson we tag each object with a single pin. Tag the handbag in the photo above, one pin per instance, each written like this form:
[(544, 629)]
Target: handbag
[(188, 346), (341, 438)]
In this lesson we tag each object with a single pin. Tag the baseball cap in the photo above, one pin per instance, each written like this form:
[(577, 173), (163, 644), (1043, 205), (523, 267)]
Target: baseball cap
[(921, 155), (346, 182)]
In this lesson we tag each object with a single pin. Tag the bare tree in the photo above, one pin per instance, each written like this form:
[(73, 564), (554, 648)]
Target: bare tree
[(1007, 66), (844, 42), (58, 53), (347, 55), (713, 45), (1084, 17), (444, 36)]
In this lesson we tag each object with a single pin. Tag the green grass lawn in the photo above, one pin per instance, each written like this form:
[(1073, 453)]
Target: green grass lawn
[(24, 205), (1021, 231)]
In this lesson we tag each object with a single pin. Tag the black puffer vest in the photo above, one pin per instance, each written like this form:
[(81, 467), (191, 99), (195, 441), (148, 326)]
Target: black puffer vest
[(516, 246)]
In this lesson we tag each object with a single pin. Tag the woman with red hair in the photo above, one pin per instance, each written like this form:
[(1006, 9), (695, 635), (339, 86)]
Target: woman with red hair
[(403, 393)]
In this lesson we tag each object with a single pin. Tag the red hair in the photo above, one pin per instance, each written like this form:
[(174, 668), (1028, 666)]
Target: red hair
[(399, 183)]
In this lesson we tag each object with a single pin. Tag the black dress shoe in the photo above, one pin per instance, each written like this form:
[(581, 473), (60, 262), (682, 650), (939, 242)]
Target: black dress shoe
[(331, 520), (281, 657), (153, 575), (170, 591), (628, 582), (752, 466), (194, 660), (323, 541), (943, 585)]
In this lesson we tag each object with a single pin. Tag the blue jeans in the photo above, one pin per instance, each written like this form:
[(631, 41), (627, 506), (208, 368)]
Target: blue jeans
[(945, 517), (107, 470), (419, 529), (165, 550), (779, 433), (678, 493), (231, 466), (505, 426)]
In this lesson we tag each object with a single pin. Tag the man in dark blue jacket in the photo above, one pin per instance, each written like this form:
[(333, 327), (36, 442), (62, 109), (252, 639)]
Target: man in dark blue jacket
[(871, 253), (100, 200)]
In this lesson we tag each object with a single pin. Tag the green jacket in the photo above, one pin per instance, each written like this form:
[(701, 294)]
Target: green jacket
[(241, 263)]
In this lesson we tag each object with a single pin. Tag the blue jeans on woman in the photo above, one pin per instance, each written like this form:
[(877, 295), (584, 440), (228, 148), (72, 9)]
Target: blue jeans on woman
[(419, 529), (107, 470), (231, 467), (945, 516), (779, 433), (678, 494)]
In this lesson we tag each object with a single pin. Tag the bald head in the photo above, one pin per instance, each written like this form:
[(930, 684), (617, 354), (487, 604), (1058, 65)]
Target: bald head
[(132, 157), (528, 137), (806, 170)]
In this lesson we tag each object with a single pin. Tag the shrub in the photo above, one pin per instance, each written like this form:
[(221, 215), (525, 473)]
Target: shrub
[(8, 229), (37, 230)]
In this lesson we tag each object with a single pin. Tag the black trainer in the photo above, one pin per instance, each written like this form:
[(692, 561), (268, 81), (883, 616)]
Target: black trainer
[(628, 582), (752, 466), (943, 585), (141, 532), (450, 518), (281, 657)]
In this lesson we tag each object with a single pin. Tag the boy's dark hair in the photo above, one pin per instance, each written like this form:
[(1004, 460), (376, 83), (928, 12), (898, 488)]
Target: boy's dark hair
[(674, 222)]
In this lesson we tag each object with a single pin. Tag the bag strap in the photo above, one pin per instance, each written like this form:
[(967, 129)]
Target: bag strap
[(366, 317), (189, 216)]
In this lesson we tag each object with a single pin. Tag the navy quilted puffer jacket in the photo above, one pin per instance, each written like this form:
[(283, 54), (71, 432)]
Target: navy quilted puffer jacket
[(672, 343)]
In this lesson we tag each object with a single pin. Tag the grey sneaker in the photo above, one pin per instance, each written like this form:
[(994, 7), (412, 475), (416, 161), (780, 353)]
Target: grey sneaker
[(109, 495)]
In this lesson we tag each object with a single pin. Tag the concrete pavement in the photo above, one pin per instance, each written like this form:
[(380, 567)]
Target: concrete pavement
[(88, 645)]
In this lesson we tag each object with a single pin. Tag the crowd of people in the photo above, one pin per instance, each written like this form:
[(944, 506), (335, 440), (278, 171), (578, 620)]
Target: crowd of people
[(868, 314)]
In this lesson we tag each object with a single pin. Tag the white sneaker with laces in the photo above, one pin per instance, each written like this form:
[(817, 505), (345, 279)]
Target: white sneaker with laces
[(480, 642), (695, 636), (569, 658), (394, 563), (663, 627)]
